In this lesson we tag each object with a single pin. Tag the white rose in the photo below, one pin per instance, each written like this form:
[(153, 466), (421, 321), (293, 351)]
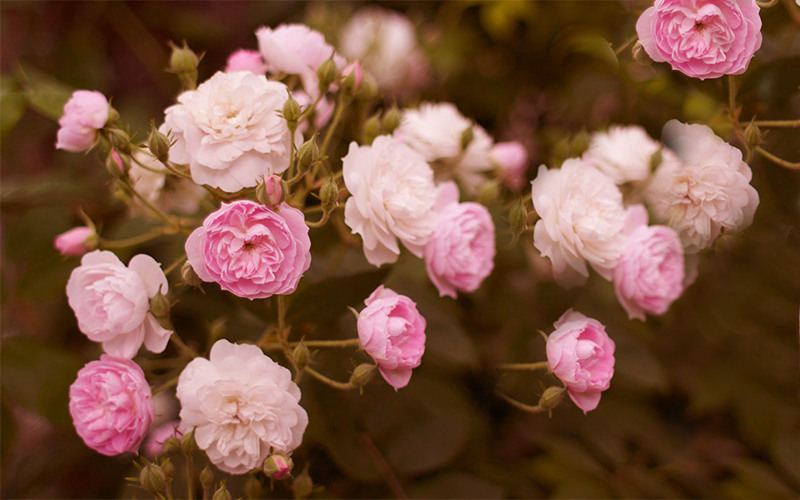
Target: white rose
[(242, 405), (112, 302), (230, 130), (703, 189), (436, 131), (165, 192), (393, 194), (385, 43), (622, 153), (581, 220)]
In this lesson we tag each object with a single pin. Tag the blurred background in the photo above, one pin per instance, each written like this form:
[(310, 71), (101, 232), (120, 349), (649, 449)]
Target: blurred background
[(704, 402)]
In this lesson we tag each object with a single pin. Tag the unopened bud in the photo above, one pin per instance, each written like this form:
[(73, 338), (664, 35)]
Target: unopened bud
[(300, 355), (171, 446), (580, 143), (640, 55), (188, 443), (169, 469), (352, 77), (278, 466), (113, 115), (189, 275), (252, 488), (363, 374), (153, 479), (291, 112), (308, 154), (272, 192), (207, 477), (120, 140), (372, 128), (489, 192), (117, 165), (327, 74), (725, 243), (329, 194), (158, 144), (656, 159), (222, 493), (752, 135), (391, 120), (518, 218), (159, 305), (183, 62), (302, 486), (551, 397), (466, 137)]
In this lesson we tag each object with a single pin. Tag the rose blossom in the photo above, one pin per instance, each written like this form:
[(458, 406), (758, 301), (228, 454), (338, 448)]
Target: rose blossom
[(649, 276), (702, 38), (155, 440), (460, 253), (251, 250), (436, 131), (242, 405), (246, 60), (166, 192), (85, 113), (581, 355), (76, 241), (111, 405), (512, 157), (392, 198), (703, 189), (624, 153), (112, 302), (385, 43), (392, 331), (581, 219), (230, 130)]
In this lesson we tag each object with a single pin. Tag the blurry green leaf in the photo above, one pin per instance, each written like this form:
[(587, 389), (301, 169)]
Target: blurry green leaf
[(594, 46), (640, 368), (785, 453), (330, 298), (456, 485), (500, 18), (12, 105), (31, 236), (46, 279), (38, 376), (46, 94)]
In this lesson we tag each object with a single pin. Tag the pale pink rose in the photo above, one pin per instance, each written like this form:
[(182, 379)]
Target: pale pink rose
[(624, 153), (392, 331), (581, 355), (246, 60), (230, 130), (460, 253), (703, 189), (296, 49), (322, 112), (251, 250), (702, 38), (512, 157), (85, 113), (112, 302), (393, 195), (77, 241), (650, 274), (242, 405), (436, 130), (385, 43), (155, 440), (167, 192), (111, 405), (581, 220)]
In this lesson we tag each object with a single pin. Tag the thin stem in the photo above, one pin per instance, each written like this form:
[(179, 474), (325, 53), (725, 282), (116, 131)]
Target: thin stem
[(175, 339), (168, 487), (175, 171), (322, 221), (175, 265), (322, 344), (777, 160), (337, 117), (342, 386), (166, 385), (189, 476), (773, 123), (133, 241), (146, 203), (282, 333), (767, 4), (625, 45), (542, 365), (522, 406), (383, 466), (732, 98)]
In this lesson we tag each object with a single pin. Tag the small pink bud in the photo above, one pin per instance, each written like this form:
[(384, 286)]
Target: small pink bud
[(246, 60), (77, 241), (278, 466), (352, 75), (272, 192)]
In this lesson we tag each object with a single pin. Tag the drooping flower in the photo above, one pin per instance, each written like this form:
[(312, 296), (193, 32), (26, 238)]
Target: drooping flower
[(581, 355), (242, 406), (85, 113), (392, 331), (702, 38), (230, 130), (77, 241), (112, 302), (703, 189), (246, 60), (393, 195), (624, 153), (111, 405), (251, 250), (581, 220)]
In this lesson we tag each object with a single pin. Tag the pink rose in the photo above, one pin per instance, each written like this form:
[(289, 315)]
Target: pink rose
[(77, 241), (513, 160), (460, 253), (702, 38), (155, 440), (246, 60), (649, 276), (111, 405), (112, 302), (84, 114), (251, 250), (581, 355), (392, 331)]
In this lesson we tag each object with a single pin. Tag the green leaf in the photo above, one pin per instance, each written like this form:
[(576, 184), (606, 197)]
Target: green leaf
[(46, 94), (594, 46), (46, 279), (330, 298), (38, 376), (13, 104)]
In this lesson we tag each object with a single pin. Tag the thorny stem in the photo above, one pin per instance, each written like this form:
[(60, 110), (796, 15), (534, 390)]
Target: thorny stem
[(542, 365), (521, 406), (775, 159), (342, 386), (773, 123)]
